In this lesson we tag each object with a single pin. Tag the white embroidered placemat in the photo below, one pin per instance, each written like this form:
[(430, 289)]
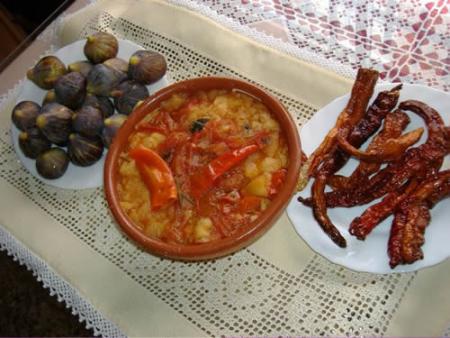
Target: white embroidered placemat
[(275, 287)]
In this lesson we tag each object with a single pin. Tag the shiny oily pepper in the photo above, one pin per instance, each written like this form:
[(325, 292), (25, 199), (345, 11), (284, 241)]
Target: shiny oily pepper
[(45, 73), (100, 47)]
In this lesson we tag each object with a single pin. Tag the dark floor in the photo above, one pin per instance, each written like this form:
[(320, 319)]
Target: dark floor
[(22, 21), (27, 309)]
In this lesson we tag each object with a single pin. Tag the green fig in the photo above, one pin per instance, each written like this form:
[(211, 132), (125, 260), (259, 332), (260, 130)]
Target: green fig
[(52, 163), (83, 67), (146, 67), (24, 114), (112, 125), (84, 151), (88, 121), (102, 103), (55, 122), (127, 95), (32, 142), (70, 90), (100, 47), (45, 73), (103, 79)]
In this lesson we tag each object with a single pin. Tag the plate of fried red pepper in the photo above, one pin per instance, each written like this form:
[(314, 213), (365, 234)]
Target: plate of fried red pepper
[(377, 177)]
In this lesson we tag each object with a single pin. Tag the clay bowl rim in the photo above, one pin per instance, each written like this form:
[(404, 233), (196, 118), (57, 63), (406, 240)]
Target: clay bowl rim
[(240, 239)]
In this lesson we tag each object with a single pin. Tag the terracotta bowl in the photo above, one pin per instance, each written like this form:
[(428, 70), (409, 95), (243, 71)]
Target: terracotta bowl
[(240, 239)]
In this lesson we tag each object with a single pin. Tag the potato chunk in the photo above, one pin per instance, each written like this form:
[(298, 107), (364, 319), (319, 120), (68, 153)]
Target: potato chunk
[(202, 230), (251, 169), (153, 140), (270, 164), (259, 186)]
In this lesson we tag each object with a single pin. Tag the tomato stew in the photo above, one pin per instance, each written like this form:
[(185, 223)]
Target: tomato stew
[(202, 166)]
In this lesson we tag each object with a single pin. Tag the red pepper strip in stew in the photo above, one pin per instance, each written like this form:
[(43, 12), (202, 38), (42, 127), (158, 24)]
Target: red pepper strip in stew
[(172, 141), (161, 123), (150, 128), (276, 181), (206, 176), (250, 203), (156, 175), (259, 139)]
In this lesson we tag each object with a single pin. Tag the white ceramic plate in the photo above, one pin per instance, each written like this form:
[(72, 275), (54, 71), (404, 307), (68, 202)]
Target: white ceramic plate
[(370, 255), (75, 177)]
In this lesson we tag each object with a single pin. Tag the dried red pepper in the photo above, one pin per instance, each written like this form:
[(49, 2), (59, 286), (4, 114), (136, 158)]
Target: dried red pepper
[(352, 114), (407, 234), (361, 226), (368, 125), (393, 126), (412, 163), (412, 217), (390, 150), (320, 211)]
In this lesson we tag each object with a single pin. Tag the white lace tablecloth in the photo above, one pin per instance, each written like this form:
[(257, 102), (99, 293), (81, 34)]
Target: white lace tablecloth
[(406, 41), (256, 291)]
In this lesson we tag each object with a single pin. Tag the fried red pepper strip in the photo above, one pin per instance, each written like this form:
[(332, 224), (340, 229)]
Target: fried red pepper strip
[(353, 112), (320, 211), (351, 115), (412, 163), (411, 219), (389, 179), (393, 126), (385, 181), (439, 193), (392, 149), (372, 120), (407, 234), (367, 126), (361, 226)]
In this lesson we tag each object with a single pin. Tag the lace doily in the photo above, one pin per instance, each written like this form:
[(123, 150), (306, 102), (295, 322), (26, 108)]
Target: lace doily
[(407, 41)]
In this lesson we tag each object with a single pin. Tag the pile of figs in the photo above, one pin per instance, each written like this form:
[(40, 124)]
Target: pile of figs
[(77, 118)]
